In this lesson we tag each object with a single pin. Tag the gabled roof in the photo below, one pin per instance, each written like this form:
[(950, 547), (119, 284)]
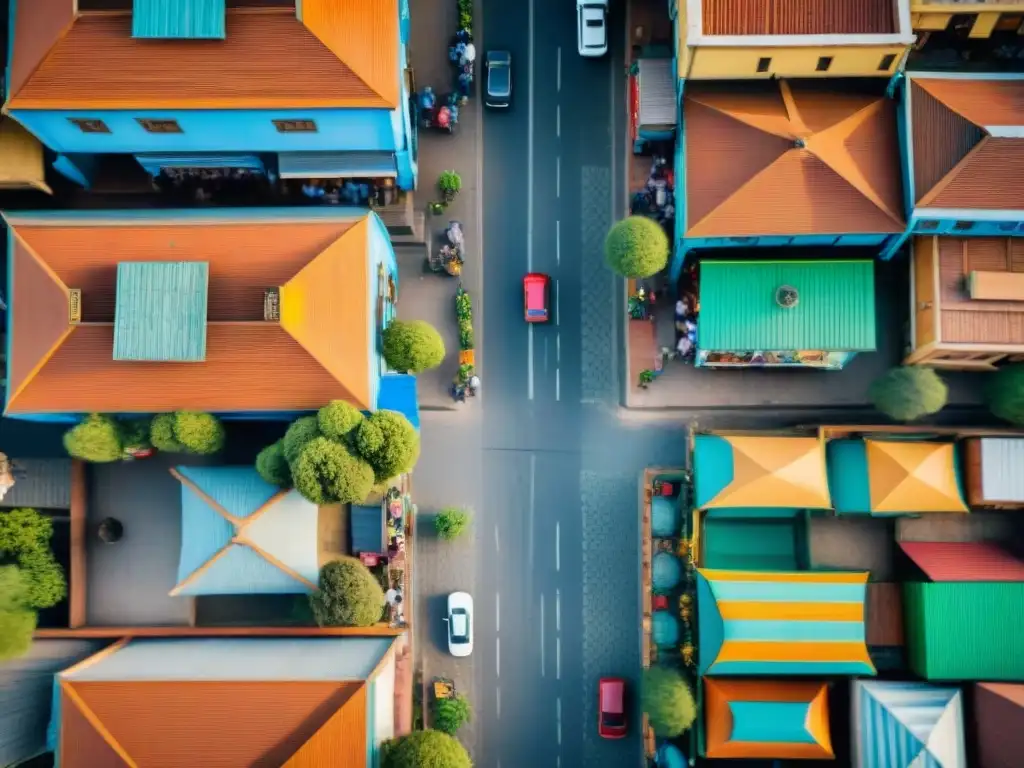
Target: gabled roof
[(803, 17), (967, 138), (241, 535), (964, 561), (781, 158), (325, 53), (321, 264), (300, 703)]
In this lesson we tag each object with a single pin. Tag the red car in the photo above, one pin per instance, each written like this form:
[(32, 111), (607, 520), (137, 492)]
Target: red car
[(611, 705), (535, 297)]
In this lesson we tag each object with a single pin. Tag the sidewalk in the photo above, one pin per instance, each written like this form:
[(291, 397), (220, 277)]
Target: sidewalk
[(425, 295)]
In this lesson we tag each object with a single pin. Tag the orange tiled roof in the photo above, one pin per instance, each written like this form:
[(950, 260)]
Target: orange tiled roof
[(963, 155), (212, 724), (341, 53), (783, 158), (799, 17), (321, 268)]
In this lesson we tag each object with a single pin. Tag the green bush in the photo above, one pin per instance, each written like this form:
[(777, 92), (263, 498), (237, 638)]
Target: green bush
[(273, 468), (161, 434), (301, 432), (25, 540), (45, 582), (24, 530), (908, 392), (451, 522), (349, 595), (412, 347), (450, 184), (17, 620), (636, 247), (463, 307), (389, 443), (327, 473), (451, 714), (465, 336), (199, 433), (135, 435), (338, 419), (424, 749), (668, 701), (97, 438), (1005, 394)]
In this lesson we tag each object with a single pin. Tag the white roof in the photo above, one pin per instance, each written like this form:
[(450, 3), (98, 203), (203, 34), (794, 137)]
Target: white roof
[(1002, 460)]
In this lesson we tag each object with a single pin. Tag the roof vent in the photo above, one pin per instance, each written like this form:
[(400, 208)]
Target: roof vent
[(272, 305), (786, 296), (75, 306)]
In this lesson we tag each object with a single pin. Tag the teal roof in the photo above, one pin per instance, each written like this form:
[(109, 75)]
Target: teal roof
[(178, 19), (161, 311), (835, 311)]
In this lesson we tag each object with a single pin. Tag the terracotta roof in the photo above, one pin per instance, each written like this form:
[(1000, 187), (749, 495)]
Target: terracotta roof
[(342, 53), (963, 155), (799, 17), (780, 158), (320, 267), (212, 724), (963, 561)]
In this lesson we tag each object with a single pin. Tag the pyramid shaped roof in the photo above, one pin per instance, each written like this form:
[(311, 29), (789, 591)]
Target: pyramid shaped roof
[(967, 139), (782, 158), (907, 476), (907, 725)]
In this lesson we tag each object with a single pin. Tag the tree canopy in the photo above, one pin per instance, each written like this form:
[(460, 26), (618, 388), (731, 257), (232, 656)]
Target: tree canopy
[(338, 420), (273, 468), (906, 393), (1005, 394), (327, 473), (668, 701), (97, 438), (349, 595), (636, 247), (389, 443), (25, 541), (17, 620), (451, 714), (301, 431), (412, 347), (199, 433), (452, 522), (425, 749)]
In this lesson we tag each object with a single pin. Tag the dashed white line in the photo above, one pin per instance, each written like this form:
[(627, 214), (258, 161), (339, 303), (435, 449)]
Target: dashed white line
[(558, 121), (558, 177), (558, 75), (558, 241), (558, 610), (558, 351), (497, 543), (497, 696), (497, 612), (542, 634), (497, 657), (558, 383), (558, 718), (558, 658), (558, 547), (558, 302)]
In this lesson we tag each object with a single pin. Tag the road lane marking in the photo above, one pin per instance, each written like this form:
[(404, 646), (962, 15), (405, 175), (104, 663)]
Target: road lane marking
[(559, 61), (558, 546), (497, 543), (529, 361), (558, 718), (533, 488), (558, 383), (558, 610), (558, 241), (497, 657), (558, 176), (558, 658), (497, 696), (558, 347), (547, 358), (529, 167), (542, 634), (558, 121), (497, 611), (558, 303)]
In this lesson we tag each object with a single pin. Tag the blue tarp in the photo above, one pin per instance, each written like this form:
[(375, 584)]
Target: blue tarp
[(398, 393)]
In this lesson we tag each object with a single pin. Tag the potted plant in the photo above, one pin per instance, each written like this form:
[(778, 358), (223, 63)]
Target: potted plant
[(645, 378), (449, 184)]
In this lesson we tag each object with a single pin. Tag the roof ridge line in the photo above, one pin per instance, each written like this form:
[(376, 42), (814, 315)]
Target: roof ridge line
[(946, 104), (47, 55), (738, 189), (257, 513), (280, 565), (201, 569), (93, 719), (739, 119), (365, 81), (953, 172), (209, 500)]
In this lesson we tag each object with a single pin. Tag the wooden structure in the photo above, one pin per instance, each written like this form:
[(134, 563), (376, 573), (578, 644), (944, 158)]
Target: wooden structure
[(968, 302), (22, 163), (984, 17), (992, 472)]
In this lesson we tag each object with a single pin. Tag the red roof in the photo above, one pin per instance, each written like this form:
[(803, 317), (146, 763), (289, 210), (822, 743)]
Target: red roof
[(964, 561)]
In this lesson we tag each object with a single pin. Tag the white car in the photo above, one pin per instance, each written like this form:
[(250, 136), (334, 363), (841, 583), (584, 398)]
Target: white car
[(592, 27), (460, 624)]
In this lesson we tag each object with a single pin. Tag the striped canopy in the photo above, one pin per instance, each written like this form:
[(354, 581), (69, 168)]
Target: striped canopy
[(782, 623), (770, 719)]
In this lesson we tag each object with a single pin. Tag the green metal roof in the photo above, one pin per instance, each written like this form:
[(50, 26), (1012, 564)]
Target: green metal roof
[(179, 19), (161, 311), (835, 311)]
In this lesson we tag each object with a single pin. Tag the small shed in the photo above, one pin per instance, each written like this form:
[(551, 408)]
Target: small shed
[(653, 111), (993, 471), (999, 724), (368, 531), (21, 158)]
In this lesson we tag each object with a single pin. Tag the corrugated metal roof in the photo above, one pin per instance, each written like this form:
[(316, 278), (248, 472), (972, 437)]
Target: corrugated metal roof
[(367, 529), (799, 17), (739, 312), (965, 630), (160, 314), (171, 19), (964, 561), (335, 165), (1002, 461), (40, 483), (657, 82)]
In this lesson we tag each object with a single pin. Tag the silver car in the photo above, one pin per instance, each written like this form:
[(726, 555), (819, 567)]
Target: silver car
[(460, 624)]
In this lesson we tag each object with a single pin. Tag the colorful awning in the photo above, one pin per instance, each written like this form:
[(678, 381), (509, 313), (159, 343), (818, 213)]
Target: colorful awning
[(767, 719), (782, 623), (740, 471)]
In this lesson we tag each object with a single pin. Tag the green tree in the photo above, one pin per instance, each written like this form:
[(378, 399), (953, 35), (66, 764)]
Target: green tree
[(17, 619), (451, 714), (339, 419), (301, 432), (908, 392), (25, 540), (24, 530), (636, 247), (425, 749), (97, 438), (273, 468), (412, 347), (45, 582), (348, 595), (451, 522), (389, 443), (327, 473), (199, 433), (135, 435), (1005, 394), (668, 701), (161, 434)]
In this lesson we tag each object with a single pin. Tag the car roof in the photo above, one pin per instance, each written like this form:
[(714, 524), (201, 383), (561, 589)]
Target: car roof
[(460, 624), (612, 690), (499, 57)]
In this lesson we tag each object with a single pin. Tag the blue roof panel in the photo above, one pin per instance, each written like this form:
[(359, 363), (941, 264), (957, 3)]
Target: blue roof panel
[(160, 313), (178, 19)]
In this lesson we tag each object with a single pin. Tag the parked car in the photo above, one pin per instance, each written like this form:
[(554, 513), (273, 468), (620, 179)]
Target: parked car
[(592, 27), (499, 79), (611, 707), (536, 289), (460, 624)]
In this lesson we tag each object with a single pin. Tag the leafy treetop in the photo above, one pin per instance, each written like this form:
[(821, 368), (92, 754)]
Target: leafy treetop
[(349, 595), (906, 393), (636, 247), (425, 749)]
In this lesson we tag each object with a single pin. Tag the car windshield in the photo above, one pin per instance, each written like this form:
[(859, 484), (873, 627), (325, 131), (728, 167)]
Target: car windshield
[(498, 79), (460, 626), (613, 719), (595, 23)]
